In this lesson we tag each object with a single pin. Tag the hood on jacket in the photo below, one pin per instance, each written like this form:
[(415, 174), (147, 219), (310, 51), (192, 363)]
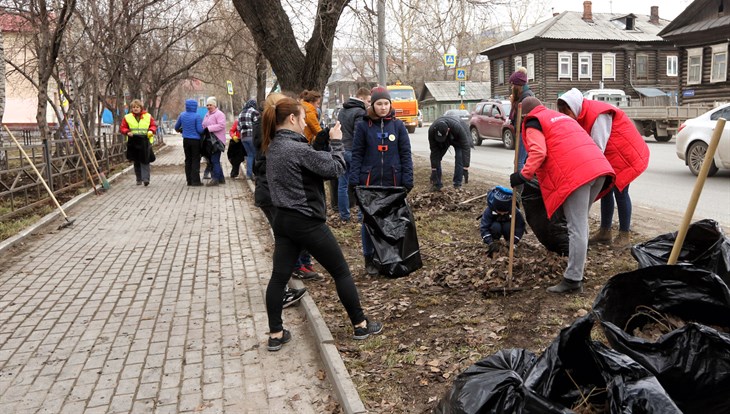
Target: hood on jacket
[(574, 99), (374, 117), (191, 105), (251, 103), (353, 103)]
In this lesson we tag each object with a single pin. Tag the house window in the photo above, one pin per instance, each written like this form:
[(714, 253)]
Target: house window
[(500, 72), (530, 66), (672, 63), (719, 63), (694, 66), (584, 66), (609, 66), (518, 62), (642, 66), (565, 64)]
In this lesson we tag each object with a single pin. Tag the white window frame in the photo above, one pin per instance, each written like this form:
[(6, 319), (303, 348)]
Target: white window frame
[(694, 53), (582, 57), (530, 65), (719, 75), (500, 72), (569, 57), (672, 65), (645, 75), (518, 62), (610, 57)]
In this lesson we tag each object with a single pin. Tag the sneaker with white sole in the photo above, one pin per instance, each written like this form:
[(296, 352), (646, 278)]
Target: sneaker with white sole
[(370, 328), (292, 296), (306, 273)]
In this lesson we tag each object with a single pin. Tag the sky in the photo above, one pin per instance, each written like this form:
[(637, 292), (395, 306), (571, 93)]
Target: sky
[(667, 9)]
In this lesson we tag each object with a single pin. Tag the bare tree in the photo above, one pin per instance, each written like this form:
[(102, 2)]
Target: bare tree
[(272, 31)]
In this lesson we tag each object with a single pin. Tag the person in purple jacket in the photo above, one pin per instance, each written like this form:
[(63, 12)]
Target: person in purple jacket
[(215, 122)]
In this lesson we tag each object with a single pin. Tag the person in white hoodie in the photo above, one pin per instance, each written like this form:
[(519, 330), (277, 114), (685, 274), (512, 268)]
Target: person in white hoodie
[(624, 148)]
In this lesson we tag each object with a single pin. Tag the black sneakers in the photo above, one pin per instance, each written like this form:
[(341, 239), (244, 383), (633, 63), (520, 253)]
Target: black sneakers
[(370, 328), (292, 296), (566, 286), (275, 344)]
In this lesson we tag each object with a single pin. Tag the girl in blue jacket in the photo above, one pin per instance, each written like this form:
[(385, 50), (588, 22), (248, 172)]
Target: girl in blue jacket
[(381, 155)]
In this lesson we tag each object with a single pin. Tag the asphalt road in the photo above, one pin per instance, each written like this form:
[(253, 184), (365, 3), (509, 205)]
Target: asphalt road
[(665, 187)]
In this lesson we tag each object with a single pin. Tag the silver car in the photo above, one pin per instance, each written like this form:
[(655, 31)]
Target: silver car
[(693, 139)]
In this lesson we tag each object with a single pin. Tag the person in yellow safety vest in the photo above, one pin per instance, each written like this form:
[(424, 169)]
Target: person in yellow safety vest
[(139, 128)]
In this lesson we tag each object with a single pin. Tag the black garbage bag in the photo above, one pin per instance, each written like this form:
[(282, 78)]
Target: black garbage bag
[(390, 224), (705, 247), (575, 361), (692, 362), (551, 232), (496, 385)]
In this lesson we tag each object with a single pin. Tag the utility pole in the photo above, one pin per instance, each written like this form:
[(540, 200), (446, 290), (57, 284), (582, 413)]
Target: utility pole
[(381, 43)]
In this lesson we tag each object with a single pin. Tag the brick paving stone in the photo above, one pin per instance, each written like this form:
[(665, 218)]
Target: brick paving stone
[(143, 306)]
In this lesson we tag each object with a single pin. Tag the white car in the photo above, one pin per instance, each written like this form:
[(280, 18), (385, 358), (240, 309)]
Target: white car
[(694, 136)]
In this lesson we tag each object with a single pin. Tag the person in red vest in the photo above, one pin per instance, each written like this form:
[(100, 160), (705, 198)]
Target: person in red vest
[(572, 172), (139, 129), (623, 146)]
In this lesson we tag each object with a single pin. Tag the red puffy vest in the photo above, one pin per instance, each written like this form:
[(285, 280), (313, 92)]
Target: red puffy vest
[(572, 160), (625, 150)]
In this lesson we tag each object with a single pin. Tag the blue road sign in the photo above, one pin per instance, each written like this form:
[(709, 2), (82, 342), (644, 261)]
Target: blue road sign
[(461, 74), (450, 60)]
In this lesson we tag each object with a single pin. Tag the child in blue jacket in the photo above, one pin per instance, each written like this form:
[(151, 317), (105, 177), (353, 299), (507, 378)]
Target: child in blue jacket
[(497, 218)]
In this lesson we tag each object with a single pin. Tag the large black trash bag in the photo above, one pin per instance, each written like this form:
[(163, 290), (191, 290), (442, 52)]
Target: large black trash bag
[(389, 222), (574, 359), (495, 385), (693, 362), (551, 232), (705, 246)]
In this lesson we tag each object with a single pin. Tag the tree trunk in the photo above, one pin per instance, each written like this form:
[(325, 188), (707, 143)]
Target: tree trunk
[(260, 79), (273, 34)]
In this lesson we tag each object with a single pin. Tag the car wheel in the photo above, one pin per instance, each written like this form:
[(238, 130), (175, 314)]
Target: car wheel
[(411, 129), (475, 139), (508, 139), (664, 138), (695, 157)]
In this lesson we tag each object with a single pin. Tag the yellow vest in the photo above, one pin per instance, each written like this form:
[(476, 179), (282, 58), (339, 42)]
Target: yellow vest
[(138, 127)]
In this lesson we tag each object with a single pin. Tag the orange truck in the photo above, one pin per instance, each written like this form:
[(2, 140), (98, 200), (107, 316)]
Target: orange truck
[(403, 98)]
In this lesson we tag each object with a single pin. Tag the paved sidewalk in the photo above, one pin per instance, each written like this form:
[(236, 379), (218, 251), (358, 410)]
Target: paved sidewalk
[(153, 301)]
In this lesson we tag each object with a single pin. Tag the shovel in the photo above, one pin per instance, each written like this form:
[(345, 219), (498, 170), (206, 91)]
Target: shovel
[(27, 158), (699, 184)]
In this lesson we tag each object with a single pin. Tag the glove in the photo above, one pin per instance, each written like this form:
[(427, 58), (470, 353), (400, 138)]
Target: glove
[(466, 176), (321, 141), (492, 249), (516, 179), (151, 136), (487, 239)]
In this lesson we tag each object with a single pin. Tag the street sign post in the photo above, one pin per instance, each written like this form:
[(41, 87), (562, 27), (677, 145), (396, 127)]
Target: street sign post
[(460, 74), (450, 60), (229, 87), (462, 88)]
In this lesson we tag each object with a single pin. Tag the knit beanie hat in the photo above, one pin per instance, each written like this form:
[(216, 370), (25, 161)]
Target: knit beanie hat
[(529, 103), (379, 92), (518, 78), (574, 99), (211, 100), (500, 198)]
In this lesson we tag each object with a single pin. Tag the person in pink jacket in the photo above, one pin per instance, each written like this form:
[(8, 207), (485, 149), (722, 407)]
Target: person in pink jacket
[(572, 172), (215, 122)]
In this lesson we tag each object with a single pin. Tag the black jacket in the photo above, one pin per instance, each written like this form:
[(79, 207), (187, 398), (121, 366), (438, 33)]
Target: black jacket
[(351, 113), (458, 137), (261, 195)]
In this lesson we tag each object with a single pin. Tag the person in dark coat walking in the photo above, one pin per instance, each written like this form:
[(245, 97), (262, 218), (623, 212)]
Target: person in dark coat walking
[(352, 112), (445, 132), (381, 155)]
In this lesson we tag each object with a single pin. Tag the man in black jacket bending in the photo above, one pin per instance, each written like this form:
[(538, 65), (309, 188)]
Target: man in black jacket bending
[(449, 131)]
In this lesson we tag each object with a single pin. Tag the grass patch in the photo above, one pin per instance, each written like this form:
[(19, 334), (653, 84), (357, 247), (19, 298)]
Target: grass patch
[(11, 228)]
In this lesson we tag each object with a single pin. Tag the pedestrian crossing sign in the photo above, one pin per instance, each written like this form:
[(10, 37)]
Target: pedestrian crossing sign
[(450, 60), (460, 74)]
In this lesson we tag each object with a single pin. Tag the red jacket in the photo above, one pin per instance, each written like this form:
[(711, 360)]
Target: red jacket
[(625, 150), (572, 158)]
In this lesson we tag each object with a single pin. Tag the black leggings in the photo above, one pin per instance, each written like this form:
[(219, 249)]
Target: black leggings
[(294, 232)]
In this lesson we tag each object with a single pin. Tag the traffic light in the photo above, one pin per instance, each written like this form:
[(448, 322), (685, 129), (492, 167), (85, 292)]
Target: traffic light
[(462, 88)]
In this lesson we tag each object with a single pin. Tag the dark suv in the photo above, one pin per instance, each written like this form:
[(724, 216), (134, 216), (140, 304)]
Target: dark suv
[(490, 120)]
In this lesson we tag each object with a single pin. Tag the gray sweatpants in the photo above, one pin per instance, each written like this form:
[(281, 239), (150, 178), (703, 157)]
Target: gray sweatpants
[(576, 208), (142, 171)]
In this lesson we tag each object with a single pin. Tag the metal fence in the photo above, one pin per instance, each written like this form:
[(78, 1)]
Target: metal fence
[(58, 161)]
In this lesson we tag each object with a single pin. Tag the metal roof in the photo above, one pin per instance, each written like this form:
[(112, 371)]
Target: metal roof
[(605, 26), (449, 91), (650, 92)]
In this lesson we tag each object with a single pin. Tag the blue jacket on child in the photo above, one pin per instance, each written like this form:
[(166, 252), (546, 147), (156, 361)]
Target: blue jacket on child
[(493, 225)]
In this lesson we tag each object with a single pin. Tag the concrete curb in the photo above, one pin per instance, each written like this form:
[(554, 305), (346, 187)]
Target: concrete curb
[(337, 373), (50, 217)]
